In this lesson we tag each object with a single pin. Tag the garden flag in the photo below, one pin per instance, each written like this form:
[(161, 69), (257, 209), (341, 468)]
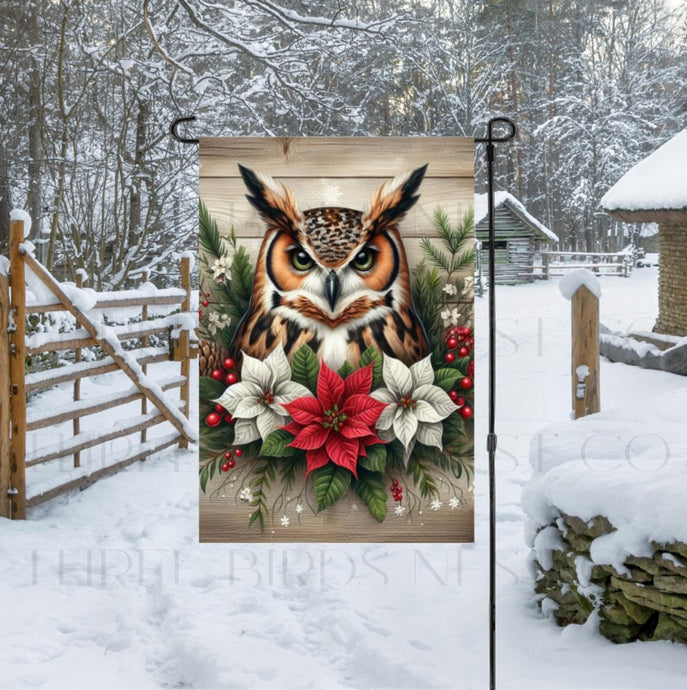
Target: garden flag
[(337, 373)]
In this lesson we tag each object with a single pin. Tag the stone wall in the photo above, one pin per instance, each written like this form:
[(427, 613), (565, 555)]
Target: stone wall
[(672, 279), (645, 600)]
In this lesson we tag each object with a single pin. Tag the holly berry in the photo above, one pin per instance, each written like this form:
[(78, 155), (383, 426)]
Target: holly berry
[(231, 463), (238, 452), (460, 402), (471, 342), (466, 331), (450, 357), (452, 343), (206, 303), (228, 419), (225, 467), (200, 313), (466, 412), (207, 294), (463, 351), (219, 409), (231, 379), (228, 363), (453, 395), (227, 455), (213, 419), (466, 383), (217, 374)]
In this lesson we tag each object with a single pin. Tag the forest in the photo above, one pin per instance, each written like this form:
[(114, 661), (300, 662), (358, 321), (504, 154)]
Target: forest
[(88, 91)]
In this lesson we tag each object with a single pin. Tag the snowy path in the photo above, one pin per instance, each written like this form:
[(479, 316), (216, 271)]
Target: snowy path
[(108, 588)]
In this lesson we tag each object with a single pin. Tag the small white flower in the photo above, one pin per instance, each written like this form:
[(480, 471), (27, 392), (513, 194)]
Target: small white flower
[(299, 508), (454, 503), (219, 268), (217, 321), (256, 401), (450, 316), (435, 504), (416, 406), (246, 494), (450, 289), (285, 521), (399, 510)]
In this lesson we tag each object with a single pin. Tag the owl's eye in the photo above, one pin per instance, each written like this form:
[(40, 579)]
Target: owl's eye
[(364, 260), (300, 260)]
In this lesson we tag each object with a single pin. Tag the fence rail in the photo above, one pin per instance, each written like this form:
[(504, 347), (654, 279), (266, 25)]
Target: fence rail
[(156, 407), (558, 263)]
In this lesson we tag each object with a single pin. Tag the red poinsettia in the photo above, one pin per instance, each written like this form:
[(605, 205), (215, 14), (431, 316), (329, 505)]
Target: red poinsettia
[(339, 423)]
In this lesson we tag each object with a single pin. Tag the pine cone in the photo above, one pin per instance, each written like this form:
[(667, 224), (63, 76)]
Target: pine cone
[(211, 356)]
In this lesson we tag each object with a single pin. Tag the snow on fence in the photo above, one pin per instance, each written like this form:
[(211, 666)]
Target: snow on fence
[(85, 306), (560, 263)]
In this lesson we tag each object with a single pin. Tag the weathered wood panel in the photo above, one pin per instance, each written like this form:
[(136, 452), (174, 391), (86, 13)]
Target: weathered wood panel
[(337, 156)]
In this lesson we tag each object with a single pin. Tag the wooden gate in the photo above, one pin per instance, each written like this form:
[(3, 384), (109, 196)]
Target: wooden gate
[(16, 421)]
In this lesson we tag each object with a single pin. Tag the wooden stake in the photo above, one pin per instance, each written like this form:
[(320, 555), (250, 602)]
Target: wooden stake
[(17, 389), (585, 352), (144, 343), (185, 392), (76, 424), (4, 397)]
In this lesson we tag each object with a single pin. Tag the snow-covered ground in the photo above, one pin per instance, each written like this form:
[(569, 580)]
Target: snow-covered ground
[(109, 588)]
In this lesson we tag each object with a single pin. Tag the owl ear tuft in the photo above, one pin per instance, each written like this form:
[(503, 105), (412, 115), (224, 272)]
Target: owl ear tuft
[(392, 200), (273, 201)]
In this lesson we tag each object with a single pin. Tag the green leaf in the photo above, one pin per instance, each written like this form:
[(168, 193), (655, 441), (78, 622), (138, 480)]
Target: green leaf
[(241, 276), (204, 476), (276, 445), (305, 368), (330, 483), (446, 378), (370, 488), (394, 455), (375, 460), (209, 389), (372, 356), (346, 369)]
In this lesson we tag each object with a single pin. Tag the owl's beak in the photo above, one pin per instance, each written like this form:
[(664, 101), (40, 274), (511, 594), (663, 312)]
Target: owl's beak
[(332, 288)]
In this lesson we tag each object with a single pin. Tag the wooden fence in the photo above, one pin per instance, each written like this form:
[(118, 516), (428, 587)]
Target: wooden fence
[(558, 263), (16, 420)]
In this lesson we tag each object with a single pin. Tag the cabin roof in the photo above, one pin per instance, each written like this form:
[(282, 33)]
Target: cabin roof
[(517, 209)]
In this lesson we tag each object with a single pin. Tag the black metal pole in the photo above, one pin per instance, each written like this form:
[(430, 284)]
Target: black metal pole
[(490, 140)]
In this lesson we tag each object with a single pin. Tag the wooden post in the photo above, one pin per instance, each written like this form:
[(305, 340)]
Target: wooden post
[(4, 396), (545, 261), (17, 391), (184, 344), (76, 424), (585, 352), (144, 343)]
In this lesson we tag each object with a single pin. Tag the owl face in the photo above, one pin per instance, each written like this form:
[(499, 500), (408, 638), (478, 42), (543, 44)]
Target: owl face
[(332, 268)]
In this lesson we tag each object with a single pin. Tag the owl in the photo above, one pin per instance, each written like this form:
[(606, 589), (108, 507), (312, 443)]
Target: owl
[(334, 278)]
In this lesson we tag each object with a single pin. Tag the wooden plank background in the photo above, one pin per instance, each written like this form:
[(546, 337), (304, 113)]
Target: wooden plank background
[(342, 171)]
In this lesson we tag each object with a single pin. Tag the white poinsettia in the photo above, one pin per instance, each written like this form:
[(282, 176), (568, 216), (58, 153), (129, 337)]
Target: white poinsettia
[(416, 406), (256, 402)]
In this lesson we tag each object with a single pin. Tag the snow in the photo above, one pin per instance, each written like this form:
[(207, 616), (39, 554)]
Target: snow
[(578, 277), (19, 214), (4, 266), (481, 210), (656, 183), (109, 588)]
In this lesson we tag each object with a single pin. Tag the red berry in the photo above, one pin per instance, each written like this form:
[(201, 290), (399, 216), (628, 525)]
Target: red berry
[(396, 482), (206, 303), (213, 419), (228, 418), (463, 351), (466, 412), (217, 374), (231, 463), (219, 409), (200, 313), (207, 294), (453, 395), (238, 452), (225, 467), (231, 379), (227, 455), (452, 343), (467, 331), (466, 383), (450, 357), (228, 363), (460, 402)]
